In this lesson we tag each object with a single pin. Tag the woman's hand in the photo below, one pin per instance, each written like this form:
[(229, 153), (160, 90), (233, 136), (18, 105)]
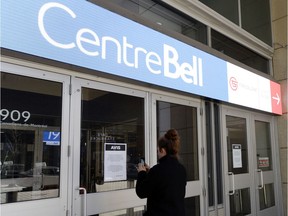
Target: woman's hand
[(142, 167)]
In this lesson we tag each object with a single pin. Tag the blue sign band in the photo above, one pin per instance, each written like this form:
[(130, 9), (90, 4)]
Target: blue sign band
[(86, 35)]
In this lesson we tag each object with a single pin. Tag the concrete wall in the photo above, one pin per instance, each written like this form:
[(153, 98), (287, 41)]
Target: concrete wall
[(279, 10)]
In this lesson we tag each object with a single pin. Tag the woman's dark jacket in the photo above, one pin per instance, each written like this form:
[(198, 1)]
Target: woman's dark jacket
[(164, 187)]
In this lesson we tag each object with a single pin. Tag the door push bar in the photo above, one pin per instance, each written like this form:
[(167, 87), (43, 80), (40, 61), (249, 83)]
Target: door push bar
[(85, 200), (261, 179), (233, 183)]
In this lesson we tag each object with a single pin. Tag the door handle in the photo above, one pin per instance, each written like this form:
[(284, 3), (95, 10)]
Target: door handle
[(261, 179), (85, 200), (233, 183), (42, 181)]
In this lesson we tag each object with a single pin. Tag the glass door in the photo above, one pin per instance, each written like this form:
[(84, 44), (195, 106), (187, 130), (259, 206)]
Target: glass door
[(239, 174), (34, 141), (248, 163), (182, 114), (265, 166), (109, 137)]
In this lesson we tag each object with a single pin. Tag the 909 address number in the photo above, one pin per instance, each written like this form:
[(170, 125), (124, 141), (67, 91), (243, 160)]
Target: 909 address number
[(15, 115)]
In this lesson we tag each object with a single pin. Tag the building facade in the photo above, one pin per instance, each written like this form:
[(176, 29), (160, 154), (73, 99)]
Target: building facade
[(87, 88), (279, 11)]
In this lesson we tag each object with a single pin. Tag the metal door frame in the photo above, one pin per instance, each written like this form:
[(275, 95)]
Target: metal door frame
[(51, 206), (193, 188)]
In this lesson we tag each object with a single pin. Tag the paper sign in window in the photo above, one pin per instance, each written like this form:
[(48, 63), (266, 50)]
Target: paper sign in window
[(115, 162), (237, 155), (263, 162)]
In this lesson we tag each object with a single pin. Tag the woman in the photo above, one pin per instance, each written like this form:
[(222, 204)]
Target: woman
[(164, 184)]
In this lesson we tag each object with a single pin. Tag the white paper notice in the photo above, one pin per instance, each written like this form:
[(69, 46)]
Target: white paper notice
[(237, 155), (115, 162)]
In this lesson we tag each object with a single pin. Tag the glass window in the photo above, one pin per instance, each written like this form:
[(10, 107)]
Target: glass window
[(192, 206), (30, 138), (258, 24), (263, 144), (240, 202), (266, 196), (167, 17), (238, 52), (227, 8), (184, 120), (237, 145), (110, 120)]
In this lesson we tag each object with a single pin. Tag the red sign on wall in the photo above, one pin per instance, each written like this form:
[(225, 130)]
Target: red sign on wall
[(276, 98)]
